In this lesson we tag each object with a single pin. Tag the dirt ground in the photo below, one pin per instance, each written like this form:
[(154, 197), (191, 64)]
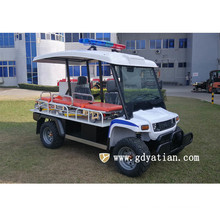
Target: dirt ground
[(18, 94)]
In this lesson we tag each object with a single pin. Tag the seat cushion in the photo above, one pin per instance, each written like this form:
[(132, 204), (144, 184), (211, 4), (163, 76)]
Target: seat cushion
[(47, 99), (98, 106), (62, 100), (67, 101), (106, 107)]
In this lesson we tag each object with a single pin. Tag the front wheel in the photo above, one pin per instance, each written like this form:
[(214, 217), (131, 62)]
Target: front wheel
[(131, 156), (49, 135)]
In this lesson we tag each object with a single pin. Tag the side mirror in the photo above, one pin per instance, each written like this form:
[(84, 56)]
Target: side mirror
[(161, 84)]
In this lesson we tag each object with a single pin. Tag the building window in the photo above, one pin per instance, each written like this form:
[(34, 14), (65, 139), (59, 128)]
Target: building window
[(130, 44), (155, 44), (76, 71), (43, 36), (107, 36), (107, 71), (68, 37), (183, 43), (140, 44), (75, 37), (86, 35), (103, 36), (52, 36), (168, 65), (31, 52), (7, 40), (171, 43), (164, 65), (168, 43), (182, 65), (99, 36), (71, 70), (84, 70), (7, 69)]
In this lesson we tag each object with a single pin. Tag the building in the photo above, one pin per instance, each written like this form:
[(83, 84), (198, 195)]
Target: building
[(178, 55), (17, 51)]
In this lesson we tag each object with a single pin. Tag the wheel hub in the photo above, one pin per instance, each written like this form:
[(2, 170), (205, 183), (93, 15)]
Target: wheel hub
[(127, 160), (48, 135)]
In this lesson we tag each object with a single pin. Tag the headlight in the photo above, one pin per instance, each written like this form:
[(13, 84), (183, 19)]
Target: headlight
[(173, 121), (154, 126)]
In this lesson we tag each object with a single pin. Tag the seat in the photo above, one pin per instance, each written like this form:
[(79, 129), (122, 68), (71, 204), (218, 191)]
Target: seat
[(111, 96), (83, 88)]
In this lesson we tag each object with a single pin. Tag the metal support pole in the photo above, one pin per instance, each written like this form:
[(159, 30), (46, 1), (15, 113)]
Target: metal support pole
[(101, 83), (68, 77), (88, 73)]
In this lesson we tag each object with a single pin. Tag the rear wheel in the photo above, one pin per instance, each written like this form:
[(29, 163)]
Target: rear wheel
[(49, 135), (128, 152)]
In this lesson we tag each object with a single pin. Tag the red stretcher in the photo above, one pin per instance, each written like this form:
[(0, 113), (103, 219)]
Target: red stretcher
[(97, 106)]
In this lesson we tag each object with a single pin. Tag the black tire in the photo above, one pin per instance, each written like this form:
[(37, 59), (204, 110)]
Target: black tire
[(137, 147), (49, 135)]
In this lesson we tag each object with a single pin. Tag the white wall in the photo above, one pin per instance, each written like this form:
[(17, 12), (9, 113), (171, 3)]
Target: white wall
[(20, 57), (8, 81), (49, 74), (7, 54)]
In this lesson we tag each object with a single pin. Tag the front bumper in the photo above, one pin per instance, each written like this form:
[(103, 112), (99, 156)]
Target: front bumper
[(173, 142)]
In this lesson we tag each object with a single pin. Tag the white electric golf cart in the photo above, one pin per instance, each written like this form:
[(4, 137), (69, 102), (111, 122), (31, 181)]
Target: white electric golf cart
[(130, 119)]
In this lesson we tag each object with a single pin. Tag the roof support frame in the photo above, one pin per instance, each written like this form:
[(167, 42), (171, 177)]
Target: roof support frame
[(68, 77)]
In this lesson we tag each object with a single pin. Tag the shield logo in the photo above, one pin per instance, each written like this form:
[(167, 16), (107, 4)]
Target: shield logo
[(104, 157)]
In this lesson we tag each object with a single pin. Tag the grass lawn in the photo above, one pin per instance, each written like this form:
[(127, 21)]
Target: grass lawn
[(24, 160)]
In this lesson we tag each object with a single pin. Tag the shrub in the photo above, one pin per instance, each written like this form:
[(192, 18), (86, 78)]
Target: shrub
[(39, 87), (96, 93)]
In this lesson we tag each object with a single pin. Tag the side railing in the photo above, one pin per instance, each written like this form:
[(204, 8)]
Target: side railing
[(70, 111), (43, 93)]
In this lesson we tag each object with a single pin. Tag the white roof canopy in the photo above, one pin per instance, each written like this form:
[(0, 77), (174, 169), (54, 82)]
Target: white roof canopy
[(79, 57)]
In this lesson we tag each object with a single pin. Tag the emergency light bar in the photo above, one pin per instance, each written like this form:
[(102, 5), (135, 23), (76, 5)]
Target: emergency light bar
[(101, 43)]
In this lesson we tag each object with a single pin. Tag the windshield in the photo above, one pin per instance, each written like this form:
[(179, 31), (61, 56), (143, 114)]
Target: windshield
[(139, 87)]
